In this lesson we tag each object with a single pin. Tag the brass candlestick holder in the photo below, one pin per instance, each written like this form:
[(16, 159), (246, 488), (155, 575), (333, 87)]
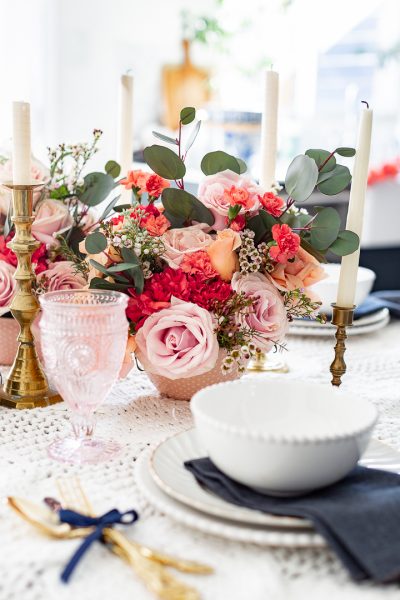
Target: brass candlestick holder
[(264, 363), (26, 385), (342, 318)]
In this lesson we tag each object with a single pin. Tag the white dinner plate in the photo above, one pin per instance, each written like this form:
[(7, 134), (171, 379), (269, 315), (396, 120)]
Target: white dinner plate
[(166, 468), (190, 504), (231, 530), (360, 326)]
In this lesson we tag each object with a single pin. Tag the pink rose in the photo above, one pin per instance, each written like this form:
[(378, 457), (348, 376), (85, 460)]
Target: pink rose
[(178, 341), (179, 242), (61, 276), (215, 193), (7, 286), (302, 273), (267, 315), (38, 173), (51, 216)]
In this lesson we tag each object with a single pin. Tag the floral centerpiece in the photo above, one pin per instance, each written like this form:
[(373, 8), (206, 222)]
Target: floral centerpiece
[(214, 278)]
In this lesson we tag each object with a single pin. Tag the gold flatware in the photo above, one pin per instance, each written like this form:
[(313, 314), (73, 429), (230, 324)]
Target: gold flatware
[(153, 574)]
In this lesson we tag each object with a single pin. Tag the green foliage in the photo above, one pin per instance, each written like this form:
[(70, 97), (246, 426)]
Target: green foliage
[(233, 211), (311, 250), (345, 151), (336, 181), (262, 224), (97, 187), (110, 207), (185, 207), (60, 192), (187, 115), (164, 162), (165, 138), (242, 165), (320, 156), (325, 228), (301, 177), (217, 161), (121, 207), (95, 242), (193, 136), (113, 169), (346, 243)]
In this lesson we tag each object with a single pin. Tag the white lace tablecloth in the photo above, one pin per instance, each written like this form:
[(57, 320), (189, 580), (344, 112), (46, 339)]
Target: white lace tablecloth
[(30, 564)]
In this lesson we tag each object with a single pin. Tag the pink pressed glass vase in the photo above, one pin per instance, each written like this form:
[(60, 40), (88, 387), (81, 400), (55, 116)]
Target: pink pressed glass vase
[(83, 337)]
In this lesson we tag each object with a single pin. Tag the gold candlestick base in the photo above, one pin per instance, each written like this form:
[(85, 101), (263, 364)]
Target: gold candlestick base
[(264, 363), (342, 318), (26, 385)]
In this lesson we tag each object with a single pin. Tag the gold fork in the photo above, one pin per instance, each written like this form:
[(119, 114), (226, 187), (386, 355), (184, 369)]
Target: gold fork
[(153, 574)]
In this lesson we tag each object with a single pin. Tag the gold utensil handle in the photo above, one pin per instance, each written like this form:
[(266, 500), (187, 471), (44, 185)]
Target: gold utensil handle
[(157, 579), (186, 566)]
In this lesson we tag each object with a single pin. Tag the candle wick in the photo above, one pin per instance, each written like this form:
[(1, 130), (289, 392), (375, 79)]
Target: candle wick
[(365, 102)]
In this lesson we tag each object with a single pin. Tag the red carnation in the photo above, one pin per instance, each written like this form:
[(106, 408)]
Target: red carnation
[(155, 185), (273, 204)]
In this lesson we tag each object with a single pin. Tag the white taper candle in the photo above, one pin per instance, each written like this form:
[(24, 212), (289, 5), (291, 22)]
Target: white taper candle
[(125, 124), (269, 130), (348, 272), (21, 156)]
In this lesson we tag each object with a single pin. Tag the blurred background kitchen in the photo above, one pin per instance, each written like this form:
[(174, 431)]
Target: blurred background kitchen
[(67, 56)]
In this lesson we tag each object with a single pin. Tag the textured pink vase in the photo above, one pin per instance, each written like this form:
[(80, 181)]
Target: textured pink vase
[(185, 388), (9, 330)]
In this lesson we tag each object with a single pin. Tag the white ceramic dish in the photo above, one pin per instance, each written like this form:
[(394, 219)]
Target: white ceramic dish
[(378, 456), (282, 437), (190, 517), (166, 466), (361, 326), (327, 288)]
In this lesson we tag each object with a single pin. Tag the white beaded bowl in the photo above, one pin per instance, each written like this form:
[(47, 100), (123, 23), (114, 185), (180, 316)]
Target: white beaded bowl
[(282, 437)]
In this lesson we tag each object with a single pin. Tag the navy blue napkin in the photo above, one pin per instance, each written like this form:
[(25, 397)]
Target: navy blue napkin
[(359, 517), (376, 301)]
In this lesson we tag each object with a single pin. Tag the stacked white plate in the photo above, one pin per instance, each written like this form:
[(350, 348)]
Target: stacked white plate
[(367, 324), (168, 486)]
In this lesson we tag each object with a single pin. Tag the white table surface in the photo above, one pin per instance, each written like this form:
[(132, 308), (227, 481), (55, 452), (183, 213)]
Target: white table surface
[(30, 564)]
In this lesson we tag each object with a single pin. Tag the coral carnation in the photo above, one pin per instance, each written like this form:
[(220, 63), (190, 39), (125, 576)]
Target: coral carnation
[(155, 185), (198, 262), (239, 195), (156, 226), (287, 241), (136, 180), (272, 204)]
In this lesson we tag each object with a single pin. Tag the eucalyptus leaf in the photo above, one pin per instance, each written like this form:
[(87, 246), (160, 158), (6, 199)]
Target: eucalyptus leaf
[(346, 243), (113, 168), (165, 138), (122, 266), (176, 222), (345, 151), (97, 283), (301, 177), (129, 256), (187, 115), (325, 228), (97, 187), (103, 269), (110, 207), (184, 205), (217, 161), (262, 224), (95, 243), (242, 165), (338, 181), (122, 207), (59, 193), (192, 136), (320, 156), (164, 161), (75, 237)]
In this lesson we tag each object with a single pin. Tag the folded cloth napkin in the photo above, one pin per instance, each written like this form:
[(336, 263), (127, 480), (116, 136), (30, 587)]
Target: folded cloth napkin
[(359, 517), (377, 300)]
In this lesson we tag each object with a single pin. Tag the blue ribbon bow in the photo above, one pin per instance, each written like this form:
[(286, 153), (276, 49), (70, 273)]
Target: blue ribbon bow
[(76, 519)]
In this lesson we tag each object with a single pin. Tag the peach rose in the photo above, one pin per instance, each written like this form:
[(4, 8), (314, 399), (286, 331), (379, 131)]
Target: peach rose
[(106, 258), (302, 273), (51, 217), (222, 253), (7, 286), (179, 242), (129, 356)]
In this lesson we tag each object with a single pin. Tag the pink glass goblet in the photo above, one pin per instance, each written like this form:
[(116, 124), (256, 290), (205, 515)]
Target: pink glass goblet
[(83, 337)]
